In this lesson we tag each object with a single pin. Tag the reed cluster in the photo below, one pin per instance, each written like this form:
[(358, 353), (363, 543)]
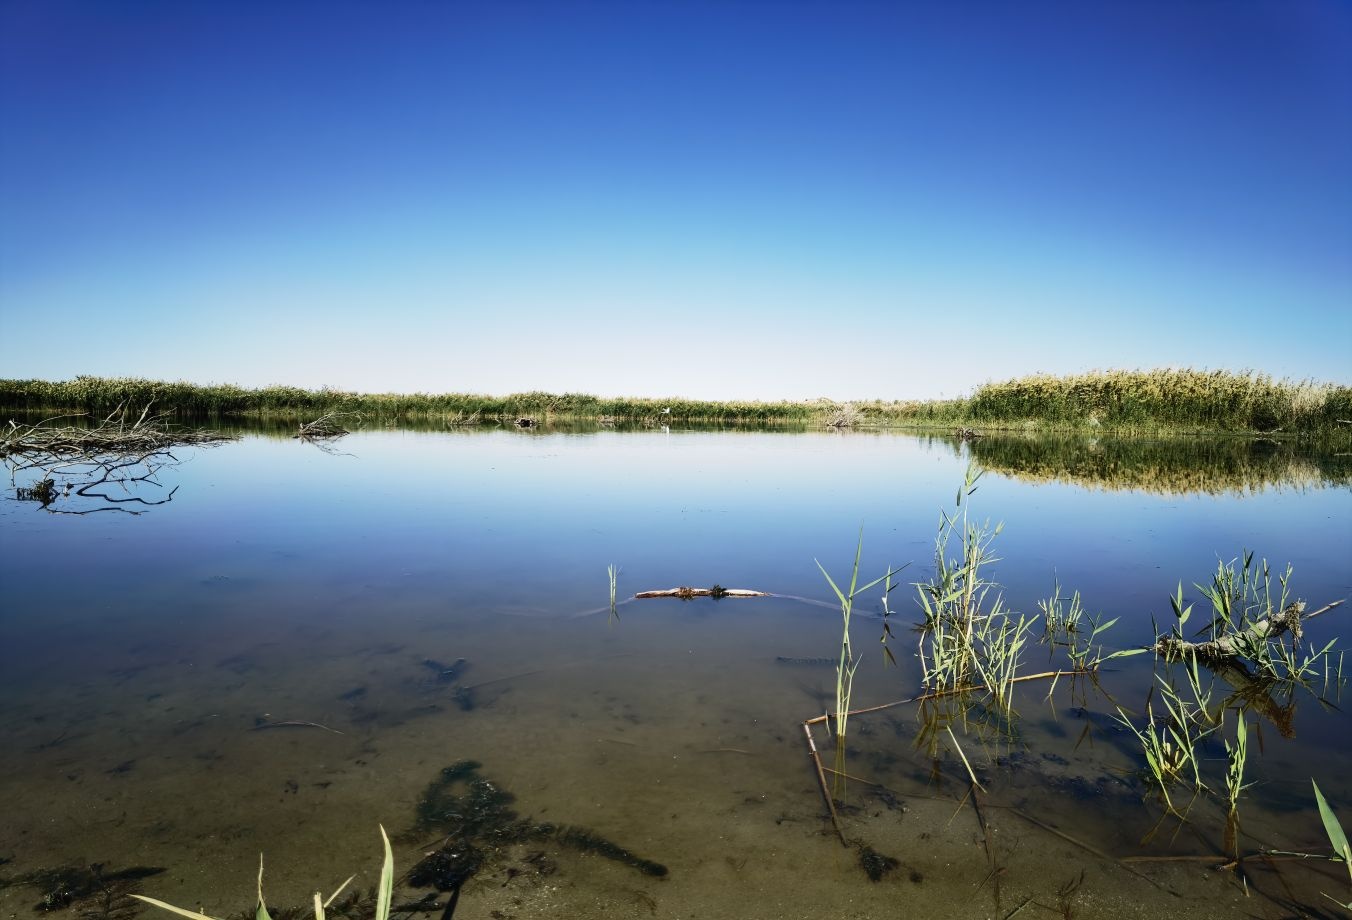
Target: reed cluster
[(1171, 738), (968, 637)]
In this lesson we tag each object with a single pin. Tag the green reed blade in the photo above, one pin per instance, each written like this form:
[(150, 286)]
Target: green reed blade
[(385, 892), (1331, 825), (262, 912), (156, 902), (339, 890)]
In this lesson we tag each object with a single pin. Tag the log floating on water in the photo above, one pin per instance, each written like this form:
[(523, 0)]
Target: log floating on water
[(717, 591)]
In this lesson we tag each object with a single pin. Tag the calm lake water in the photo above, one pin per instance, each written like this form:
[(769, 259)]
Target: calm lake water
[(149, 666)]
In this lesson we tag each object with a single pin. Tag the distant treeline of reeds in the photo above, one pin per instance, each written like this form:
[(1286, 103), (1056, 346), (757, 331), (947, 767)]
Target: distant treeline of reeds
[(1179, 400)]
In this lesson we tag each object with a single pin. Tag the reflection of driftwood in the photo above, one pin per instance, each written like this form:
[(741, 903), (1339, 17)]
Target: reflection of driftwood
[(89, 462), (1234, 645), (716, 592), (1254, 693)]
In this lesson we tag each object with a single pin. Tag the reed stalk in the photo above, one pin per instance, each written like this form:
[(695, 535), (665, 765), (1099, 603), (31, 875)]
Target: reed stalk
[(613, 573), (848, 663)]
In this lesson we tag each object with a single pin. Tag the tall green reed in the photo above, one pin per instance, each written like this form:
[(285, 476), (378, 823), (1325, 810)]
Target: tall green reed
[(849, 664)]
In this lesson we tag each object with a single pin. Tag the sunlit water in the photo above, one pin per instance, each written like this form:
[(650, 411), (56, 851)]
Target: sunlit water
[(139, 656)]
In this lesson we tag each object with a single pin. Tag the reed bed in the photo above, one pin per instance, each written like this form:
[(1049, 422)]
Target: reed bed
[(92, 394), (1175, 400), (1166, 399)]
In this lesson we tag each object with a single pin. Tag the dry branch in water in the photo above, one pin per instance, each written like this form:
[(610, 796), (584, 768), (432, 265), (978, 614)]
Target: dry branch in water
[(92, 461), (326, 429), (44, 444), (716, 592), (1235, 644)]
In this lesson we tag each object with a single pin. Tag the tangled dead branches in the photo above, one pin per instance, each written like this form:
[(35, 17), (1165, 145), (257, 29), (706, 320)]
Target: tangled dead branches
[(326, 429), (65, 463)]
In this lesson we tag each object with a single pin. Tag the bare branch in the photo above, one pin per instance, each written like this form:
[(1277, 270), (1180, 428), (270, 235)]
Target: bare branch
[(75, 461)]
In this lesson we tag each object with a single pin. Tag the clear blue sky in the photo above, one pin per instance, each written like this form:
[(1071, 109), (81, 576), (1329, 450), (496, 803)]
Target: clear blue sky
[(764, 200)]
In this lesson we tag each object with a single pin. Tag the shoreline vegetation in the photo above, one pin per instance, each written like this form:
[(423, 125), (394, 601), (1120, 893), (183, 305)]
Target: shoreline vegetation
[(1177, 401)]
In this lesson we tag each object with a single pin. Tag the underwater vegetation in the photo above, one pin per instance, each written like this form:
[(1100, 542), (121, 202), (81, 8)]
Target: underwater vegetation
[(94, 892), (875, 864), (479, 827)]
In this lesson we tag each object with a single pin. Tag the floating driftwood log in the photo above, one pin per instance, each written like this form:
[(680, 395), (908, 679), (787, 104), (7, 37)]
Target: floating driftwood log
[(1235, 644), (716, 592)]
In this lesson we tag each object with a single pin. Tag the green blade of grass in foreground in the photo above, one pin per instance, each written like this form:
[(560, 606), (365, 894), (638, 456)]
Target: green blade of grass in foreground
[(262, 912), (1333, 828), (384, 893), (190, 914), (386, 889)]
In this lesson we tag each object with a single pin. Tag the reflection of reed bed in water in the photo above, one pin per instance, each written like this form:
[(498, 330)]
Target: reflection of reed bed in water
[(1174, 466)]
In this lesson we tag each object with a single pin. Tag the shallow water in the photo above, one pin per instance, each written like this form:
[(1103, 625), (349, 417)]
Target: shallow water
[(139, 656)]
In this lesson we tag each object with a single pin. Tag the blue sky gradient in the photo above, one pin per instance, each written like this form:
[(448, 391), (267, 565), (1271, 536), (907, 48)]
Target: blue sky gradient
[(710, 200)]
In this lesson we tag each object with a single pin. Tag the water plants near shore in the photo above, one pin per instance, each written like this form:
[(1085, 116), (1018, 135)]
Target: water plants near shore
[(971, 648)]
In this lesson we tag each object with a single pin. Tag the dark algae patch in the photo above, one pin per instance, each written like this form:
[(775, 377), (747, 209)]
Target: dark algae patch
[(875, 864), (446, 673), (478, 827), (95, 892)]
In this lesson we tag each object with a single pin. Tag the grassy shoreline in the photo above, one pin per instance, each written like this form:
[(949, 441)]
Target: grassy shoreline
[(1178, 401)]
